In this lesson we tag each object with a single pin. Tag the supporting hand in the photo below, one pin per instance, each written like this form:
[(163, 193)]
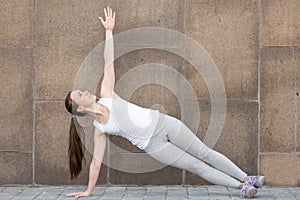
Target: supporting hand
[(79, 194), (109, 22)]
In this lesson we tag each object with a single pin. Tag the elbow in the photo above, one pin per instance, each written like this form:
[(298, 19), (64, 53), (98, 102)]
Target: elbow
[(108, 59), (96, 164)]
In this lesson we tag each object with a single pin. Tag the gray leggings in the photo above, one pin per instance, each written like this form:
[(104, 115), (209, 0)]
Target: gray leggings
[(173, 143)]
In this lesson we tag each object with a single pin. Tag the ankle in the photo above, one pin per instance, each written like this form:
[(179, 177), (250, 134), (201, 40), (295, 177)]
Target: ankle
[(246, 178), (240, 186)]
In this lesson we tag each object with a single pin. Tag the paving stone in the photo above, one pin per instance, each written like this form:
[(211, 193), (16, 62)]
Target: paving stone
[(132, 198), (135, 192), (23, 198), (175, 198), (107, 197), (198, 198), (177, 192), (294, 190), (11, 191), (196, 191), (99, 191), (46, 197), (114, 193), (157, 189), (155, 198)]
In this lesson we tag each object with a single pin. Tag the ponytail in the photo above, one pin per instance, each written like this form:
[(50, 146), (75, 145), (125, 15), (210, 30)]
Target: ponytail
[(76, 147), (76, 151)]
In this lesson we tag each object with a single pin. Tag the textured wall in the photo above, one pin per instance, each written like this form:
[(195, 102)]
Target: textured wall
[(254, 43)]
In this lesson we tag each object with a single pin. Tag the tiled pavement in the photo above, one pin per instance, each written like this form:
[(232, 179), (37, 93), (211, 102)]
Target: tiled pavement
[(145, 193)]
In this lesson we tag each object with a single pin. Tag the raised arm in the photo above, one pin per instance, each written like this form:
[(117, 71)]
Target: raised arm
[(108, 82)]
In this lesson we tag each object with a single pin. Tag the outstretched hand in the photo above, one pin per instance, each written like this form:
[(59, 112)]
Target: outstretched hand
[(109, 22), (79, 194)]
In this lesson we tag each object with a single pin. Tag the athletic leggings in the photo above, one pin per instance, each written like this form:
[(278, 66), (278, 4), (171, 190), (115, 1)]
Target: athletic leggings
[(173, 143)]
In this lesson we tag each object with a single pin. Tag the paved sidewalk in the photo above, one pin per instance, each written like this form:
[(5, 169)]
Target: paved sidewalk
[(145, 193)]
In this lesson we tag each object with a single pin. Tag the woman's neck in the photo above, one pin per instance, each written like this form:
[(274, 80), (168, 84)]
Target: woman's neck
[(95, 110)]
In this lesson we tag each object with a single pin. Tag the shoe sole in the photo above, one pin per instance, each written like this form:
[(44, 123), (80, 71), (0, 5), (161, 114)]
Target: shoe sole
[(261, 182), (252, 193)]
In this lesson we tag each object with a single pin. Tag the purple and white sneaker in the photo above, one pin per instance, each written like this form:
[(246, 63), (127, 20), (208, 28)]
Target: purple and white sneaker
[(248, 190), (256, 181)]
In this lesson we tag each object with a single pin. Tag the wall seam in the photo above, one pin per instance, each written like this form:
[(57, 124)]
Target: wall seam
[(108, 161), (282, 153), (15, 47), (49, 100), (33, 94), (258, 92), (184, 74), (15, 151), (295, 98)]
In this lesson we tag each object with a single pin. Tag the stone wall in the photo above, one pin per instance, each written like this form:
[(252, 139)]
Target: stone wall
[(254, 44)]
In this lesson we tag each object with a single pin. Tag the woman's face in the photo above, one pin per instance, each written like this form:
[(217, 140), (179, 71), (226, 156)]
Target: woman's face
[(83, 99)]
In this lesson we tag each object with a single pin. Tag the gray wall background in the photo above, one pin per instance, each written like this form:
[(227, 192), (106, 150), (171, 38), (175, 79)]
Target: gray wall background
[(254, 43)]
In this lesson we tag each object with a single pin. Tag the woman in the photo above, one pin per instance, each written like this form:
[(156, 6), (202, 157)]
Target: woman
[(163, 137)]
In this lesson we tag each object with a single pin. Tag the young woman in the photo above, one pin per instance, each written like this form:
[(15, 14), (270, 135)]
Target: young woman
[(163, 137)]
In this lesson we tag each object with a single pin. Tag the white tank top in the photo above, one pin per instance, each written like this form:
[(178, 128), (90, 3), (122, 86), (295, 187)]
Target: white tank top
[(128, 120)]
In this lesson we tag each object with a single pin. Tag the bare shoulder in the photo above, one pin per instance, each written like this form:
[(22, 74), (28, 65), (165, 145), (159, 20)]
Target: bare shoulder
[(98, 133)]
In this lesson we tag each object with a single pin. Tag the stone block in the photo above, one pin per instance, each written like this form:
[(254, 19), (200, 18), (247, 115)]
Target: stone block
[(51, 146), (150, 13), (238, 139), (228, 33), (17, 22), (16, 99), (165, 176), (278, 106), (279, 23), (65, 34), (280, 170), (16, 168)]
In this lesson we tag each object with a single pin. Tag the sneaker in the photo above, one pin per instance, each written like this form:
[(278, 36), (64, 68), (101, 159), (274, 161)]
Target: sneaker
[(256, 181), (248, 190)]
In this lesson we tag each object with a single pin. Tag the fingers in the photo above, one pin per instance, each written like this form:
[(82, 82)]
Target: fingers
[(81, 195), (109, 13), (77, 195), (101, 20), (105, 13), (72, 194)]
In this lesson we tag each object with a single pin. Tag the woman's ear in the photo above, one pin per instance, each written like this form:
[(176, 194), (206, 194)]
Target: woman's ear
[(80, 109)]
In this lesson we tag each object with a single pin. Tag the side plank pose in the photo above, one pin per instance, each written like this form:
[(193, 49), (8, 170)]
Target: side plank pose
[(163, 137)]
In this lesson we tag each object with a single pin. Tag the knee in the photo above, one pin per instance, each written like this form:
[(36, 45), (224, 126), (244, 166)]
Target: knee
[(209, 155), (199, 169)]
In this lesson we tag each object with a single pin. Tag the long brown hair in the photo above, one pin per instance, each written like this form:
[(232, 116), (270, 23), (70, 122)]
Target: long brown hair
[(76, 148)]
